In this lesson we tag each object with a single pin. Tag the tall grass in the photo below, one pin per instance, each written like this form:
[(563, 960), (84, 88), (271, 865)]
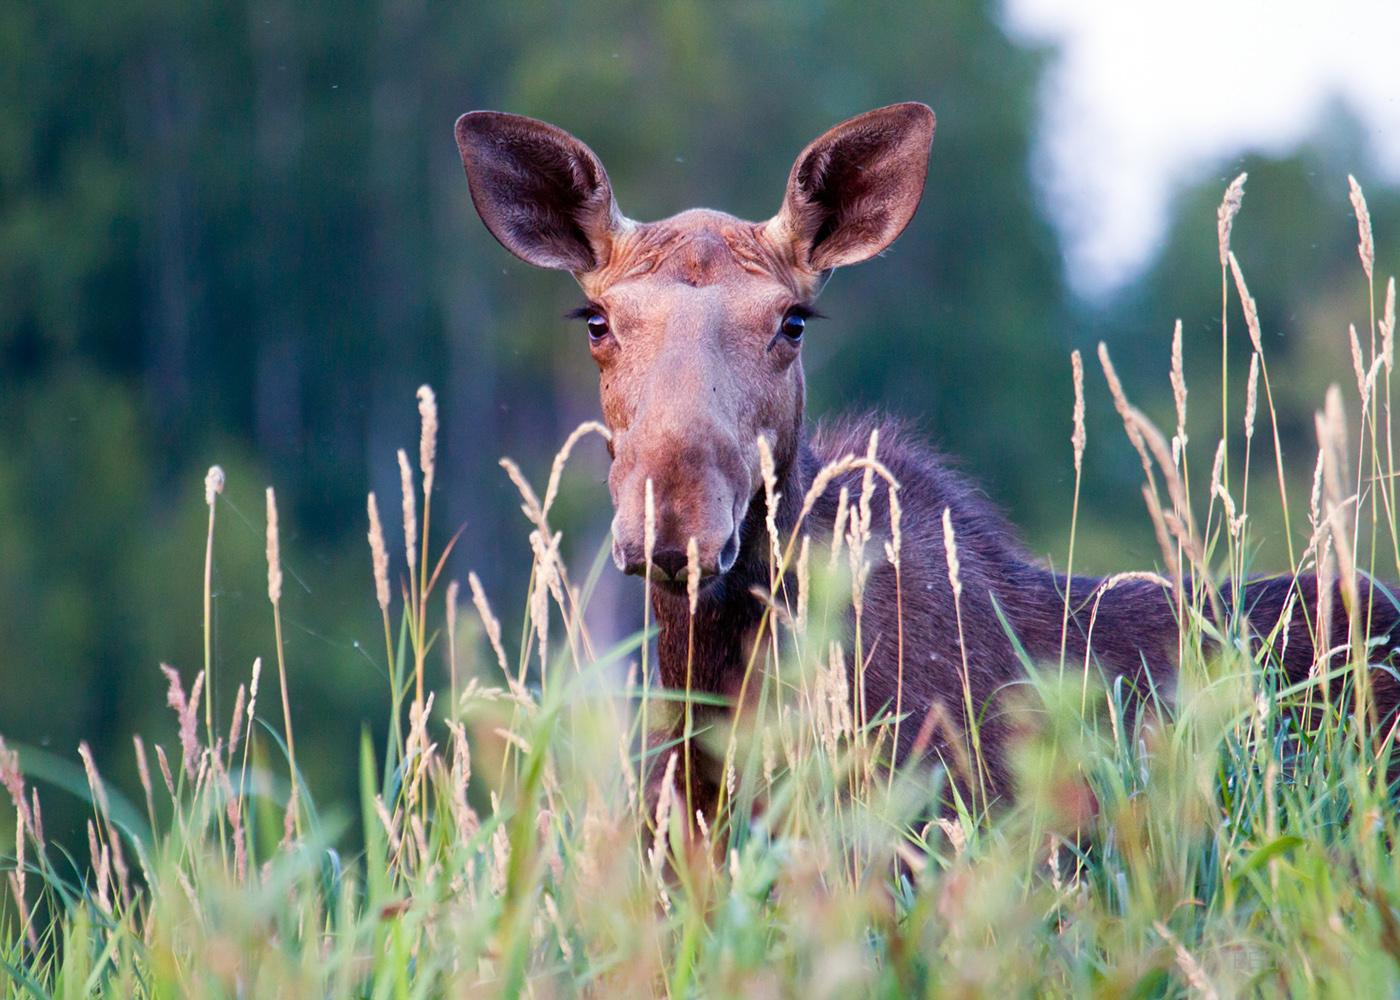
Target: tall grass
[(1233, 838)]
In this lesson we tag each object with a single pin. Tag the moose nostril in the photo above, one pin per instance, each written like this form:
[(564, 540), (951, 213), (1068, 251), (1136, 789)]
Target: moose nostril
[(729, 553), (670, 561)]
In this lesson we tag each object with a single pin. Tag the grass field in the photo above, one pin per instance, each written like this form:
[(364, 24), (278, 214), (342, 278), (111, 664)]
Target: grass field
[(1224, 841)]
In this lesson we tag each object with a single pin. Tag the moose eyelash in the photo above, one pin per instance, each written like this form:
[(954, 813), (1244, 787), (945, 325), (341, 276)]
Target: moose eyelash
[(583, 312)]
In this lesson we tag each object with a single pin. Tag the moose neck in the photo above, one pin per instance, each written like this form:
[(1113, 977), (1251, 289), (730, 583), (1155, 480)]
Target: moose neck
[(711, 655)]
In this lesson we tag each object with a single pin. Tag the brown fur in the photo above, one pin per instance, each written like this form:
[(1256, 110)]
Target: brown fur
[(694, 369)]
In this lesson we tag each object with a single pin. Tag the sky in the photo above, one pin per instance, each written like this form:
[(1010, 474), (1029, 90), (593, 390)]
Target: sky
[(1145, 96)]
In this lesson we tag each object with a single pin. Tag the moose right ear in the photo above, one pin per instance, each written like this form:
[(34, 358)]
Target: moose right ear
[(855, 188), (543, 194)]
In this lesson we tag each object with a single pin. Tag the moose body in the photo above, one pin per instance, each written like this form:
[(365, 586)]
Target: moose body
[(696, 324)]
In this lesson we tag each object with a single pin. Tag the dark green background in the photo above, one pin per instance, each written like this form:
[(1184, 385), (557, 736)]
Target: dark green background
[(239, 233)]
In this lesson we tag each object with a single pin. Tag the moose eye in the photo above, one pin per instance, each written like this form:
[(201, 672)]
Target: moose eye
[(594, 318), (793, 325), (597, 326)]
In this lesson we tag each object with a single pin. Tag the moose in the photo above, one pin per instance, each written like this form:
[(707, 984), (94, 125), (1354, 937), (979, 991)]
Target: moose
[(696, 324)]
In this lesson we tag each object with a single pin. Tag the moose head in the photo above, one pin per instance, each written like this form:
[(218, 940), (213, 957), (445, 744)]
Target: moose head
[(696, 322)]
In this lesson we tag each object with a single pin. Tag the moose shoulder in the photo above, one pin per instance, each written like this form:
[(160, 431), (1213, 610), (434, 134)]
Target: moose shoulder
[(696, 324)]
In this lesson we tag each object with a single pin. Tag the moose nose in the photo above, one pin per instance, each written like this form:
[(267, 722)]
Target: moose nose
[(671, 562)]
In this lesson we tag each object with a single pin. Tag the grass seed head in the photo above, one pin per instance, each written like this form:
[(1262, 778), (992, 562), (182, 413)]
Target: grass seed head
[(427, 439), (379, 555), (1225, 215), (1251, 398), (213, 484), (1250, 307), (1366, 242), (274, 552), (410, 512), (1178, 377)]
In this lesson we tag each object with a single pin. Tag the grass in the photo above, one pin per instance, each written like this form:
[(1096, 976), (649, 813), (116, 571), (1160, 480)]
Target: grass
[(1235, 838)]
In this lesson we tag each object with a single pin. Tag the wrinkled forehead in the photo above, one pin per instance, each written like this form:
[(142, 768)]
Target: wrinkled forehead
[(699, 249)]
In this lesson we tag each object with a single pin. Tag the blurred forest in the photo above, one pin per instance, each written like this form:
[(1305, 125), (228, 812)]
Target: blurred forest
[(238, 232)]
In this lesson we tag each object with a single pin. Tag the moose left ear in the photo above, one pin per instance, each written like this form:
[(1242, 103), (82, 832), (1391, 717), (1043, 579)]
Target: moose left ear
[(853, 190), (543, 194)]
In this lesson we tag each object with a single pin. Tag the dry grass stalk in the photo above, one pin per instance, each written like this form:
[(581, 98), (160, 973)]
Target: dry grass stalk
[(1190, 968), (692, 574), (770, 496), (649, 529), (165, 772), (1387, 325), (1358, 365), (950, 551), (253, 696), (546, 582), (867, 483), (427, 439), (838, 529), (1178, 379), (556, 471), (1079, 438), (804, 582), (1332, 436), (1251, 399), (379, 555), (213, 486), (453, 589), (143, 772), (1157, 444), (12, 777), (1225, 215), (102, 865), (489, 621), (274, 594), (1117, 580), (274, 551), (1250, 307), (235, 729), (1120, 403), (1366, 243), (185, 713), (656, 855), (410, 520), (530, 503)]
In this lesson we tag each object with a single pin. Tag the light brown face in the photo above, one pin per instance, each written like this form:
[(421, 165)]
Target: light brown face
[(696, 326), (695, 322)]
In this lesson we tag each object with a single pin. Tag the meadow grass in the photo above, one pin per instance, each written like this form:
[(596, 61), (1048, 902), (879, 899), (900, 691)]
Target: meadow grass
[(1233, 838)]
